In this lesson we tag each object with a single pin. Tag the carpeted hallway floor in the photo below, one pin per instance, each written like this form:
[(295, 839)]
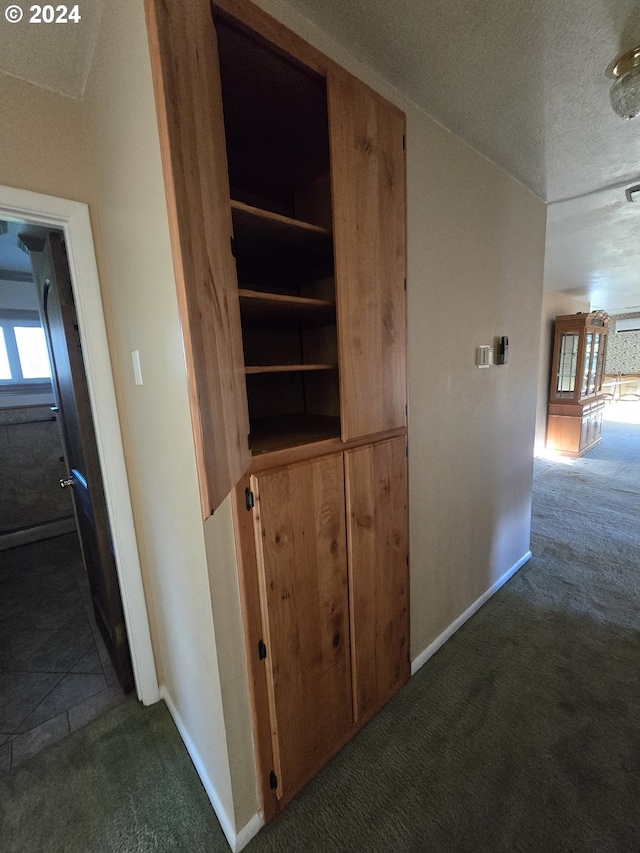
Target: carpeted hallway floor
[(521, 734)]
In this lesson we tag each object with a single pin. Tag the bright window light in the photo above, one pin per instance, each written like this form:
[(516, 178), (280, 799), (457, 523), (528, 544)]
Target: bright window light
[(32, 351), (24, 357), (5, 368)]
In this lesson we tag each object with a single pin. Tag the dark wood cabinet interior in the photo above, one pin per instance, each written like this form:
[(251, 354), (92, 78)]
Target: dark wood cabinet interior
[(276, 131)]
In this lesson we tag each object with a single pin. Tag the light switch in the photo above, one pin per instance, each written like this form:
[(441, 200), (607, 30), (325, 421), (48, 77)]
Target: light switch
[(485, 356), (137, 370)]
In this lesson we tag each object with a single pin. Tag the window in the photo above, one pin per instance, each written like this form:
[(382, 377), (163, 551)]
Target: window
[(24, 358)]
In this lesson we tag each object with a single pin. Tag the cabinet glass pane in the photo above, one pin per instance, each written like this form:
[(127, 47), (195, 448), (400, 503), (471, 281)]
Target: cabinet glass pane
[(588, 347), (567, 364), (594, 364)]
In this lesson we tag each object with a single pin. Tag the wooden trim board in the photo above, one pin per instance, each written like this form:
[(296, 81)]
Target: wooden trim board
[(243, 526)]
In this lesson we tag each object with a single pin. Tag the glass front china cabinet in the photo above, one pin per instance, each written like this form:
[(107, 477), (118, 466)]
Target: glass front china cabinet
[(576, 401)]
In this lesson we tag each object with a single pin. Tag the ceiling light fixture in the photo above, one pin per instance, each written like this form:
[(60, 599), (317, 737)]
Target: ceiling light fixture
[(625, 92)]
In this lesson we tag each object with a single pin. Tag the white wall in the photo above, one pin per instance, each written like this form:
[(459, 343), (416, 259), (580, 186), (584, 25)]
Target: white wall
[(18, 295), (476, 251), (42, 141)]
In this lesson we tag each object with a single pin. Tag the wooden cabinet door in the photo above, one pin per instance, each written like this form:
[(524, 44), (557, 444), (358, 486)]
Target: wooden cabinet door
[(368, 193), (299, 520), (184, 60), (377, 537)]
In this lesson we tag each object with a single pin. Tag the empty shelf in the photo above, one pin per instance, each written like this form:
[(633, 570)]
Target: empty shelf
[(269, 434), (288, 368), (276, 310)]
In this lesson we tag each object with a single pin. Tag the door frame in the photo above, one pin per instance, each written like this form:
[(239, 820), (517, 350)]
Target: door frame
[(72, 218)]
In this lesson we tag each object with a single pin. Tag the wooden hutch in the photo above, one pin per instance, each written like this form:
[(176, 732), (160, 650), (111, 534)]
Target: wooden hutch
[(576, 400), (285, 181)]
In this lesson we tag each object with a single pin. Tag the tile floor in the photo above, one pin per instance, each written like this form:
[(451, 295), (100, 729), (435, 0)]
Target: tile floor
[(55, 674)]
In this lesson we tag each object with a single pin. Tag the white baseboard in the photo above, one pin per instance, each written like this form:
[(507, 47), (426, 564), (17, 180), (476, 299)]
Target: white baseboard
[(420, 660), (237, 840), (249, 831), (37, 533)]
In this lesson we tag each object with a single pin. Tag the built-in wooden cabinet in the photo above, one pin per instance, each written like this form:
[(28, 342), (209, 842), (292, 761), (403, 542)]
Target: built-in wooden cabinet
[(301, 547), (286, 194), (324, 551), (576, 398), (378, 560)]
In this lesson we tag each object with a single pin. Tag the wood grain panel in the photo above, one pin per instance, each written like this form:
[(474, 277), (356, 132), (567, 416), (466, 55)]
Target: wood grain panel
[(301, 555), (368, 190), (274, 226), (253, 633), (377, 535), (275, 454), (184, 63)]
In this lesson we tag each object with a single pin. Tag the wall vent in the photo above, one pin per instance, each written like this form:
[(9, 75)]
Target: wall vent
[(628, 324)]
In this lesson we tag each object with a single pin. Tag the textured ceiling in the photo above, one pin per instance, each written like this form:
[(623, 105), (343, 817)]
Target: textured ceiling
[(522, 81), (54, 56), (593, 250)]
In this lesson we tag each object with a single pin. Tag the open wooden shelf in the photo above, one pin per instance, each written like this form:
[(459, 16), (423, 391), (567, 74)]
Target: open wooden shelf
[(288, 368), (276, 310), (257, 224), (270, 248), (269, 434)]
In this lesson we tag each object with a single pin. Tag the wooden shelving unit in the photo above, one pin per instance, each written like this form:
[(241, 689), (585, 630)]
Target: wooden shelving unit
[(278, 310), (271, 247), (259, 224), (316, 164), (269, 434), (278, 156), (287, 368)]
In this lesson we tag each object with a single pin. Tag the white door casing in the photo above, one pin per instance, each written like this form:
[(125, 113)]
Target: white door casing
[(72, 218)]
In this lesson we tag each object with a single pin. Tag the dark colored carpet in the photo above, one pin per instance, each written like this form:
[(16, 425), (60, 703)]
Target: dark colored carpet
[(521, 734)]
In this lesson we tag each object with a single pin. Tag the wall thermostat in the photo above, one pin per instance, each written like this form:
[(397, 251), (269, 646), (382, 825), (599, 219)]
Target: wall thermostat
[(503, 350)]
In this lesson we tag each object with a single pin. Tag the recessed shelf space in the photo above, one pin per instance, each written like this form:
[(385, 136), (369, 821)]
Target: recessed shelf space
[(269, 434), (275, 120), (269, 246), (277, 142), (264, 223), (288, 368), (281, 311)]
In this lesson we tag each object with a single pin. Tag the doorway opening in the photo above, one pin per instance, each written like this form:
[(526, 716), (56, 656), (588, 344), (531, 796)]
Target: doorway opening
[(69, 221), (55, 663)]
